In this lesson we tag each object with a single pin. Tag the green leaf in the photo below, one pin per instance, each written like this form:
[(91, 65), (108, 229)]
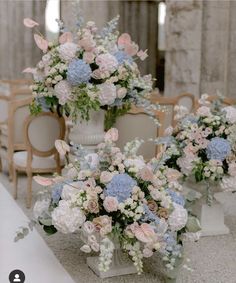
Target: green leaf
[(193, 225), (50, 230)]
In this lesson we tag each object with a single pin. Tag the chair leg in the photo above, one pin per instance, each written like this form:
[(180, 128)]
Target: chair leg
[(10, 168), (0, 164), (15, 183), (29, 189)]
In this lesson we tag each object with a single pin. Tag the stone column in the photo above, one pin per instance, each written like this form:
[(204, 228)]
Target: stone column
[(183, 46), (17, 47)]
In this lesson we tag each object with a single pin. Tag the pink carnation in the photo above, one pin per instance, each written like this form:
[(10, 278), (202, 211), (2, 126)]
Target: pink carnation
[(67, 51), (110, 204), (111, 135), (204, 111), (105, 177)]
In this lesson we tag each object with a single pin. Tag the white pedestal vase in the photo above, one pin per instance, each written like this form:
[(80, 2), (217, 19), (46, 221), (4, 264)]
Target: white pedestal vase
[(88, 133), (210, 216), (121, 264)]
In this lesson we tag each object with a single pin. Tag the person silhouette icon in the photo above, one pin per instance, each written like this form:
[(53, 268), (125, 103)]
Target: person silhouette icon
[(17, 278)]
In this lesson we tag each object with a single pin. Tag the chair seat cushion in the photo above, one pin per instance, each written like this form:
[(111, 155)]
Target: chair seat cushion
[(20, 159)]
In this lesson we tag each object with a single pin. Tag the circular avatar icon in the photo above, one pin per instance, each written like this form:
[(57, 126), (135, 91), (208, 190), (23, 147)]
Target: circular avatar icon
[(17, 276)]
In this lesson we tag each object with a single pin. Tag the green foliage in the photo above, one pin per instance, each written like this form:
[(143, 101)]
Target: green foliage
[(198, 172), (50, 230), (113, 113), (35, 108)]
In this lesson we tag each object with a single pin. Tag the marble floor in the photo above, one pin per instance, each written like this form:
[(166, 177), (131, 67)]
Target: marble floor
[(211, 260)]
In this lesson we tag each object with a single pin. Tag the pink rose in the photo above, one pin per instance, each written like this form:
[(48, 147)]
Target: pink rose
[(204, 111), (30, 71), (106, 177), (111, 135), (29, 23), (172, 175), (88, 57), (146, 174), (147, 252), (66, 37), (110, 204), (232, 169), (103, 224), (93, 206), (87, 42)]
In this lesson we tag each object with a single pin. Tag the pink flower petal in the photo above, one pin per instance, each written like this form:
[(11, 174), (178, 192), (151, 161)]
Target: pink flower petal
[(43, 181), (131, 49), (124, 39), (142, 54), (29, 71), (41, 43), (29, 23), (66, 37)]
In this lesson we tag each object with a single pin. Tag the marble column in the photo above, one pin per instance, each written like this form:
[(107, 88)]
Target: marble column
[(201, 47), (17, 47)]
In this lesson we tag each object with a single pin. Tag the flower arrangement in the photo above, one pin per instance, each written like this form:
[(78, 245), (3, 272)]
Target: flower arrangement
[(203, 144), (112, 196), (88, 70)]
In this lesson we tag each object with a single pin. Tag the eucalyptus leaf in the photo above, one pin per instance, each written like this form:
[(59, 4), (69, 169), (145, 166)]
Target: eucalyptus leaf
[(50, 230), (193, 225)]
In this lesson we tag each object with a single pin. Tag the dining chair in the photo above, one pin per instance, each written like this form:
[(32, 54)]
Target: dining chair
[(137, 124), (226, 101), (40, 155), (11, 136), (169, 102)]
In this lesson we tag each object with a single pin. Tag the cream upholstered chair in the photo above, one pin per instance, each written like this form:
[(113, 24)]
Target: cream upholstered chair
[(12, 137), (168, 102), (136, 123), (40, 156)]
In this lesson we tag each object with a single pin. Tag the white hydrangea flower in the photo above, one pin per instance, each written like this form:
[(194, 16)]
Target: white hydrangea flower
[(67, 219), (40, 207), (69, 191), (67, 51), (178, 218), (106, 93), (63, 91), (230, 114)]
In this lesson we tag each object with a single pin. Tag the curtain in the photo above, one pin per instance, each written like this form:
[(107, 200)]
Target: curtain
[(17, 48)]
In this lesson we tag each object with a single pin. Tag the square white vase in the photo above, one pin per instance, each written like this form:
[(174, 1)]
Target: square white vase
[(211, 216), (121, 265)]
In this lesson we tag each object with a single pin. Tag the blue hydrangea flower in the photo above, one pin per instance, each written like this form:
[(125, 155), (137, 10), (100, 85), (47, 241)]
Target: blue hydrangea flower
[(175, 197), (218, 148), (188, 120), (171, 243), (123, 57), (56, 192), (78, 72), (149, 216), (120, 187), (42, 101)]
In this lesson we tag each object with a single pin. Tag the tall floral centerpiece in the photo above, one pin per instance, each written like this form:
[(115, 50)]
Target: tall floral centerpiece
[(118, 202), (88, 72), (203, 147)]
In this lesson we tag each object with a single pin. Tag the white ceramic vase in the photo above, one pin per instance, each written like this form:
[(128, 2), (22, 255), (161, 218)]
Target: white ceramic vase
[(88, 133), (210, 215)]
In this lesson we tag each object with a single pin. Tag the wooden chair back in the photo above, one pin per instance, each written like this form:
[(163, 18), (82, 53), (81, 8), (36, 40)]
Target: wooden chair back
[(168, 103), (42, 131), (227, 101), (136, 123)]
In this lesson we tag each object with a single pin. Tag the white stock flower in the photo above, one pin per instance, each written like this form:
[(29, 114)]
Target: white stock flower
[(67, 219), (178, 218)]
